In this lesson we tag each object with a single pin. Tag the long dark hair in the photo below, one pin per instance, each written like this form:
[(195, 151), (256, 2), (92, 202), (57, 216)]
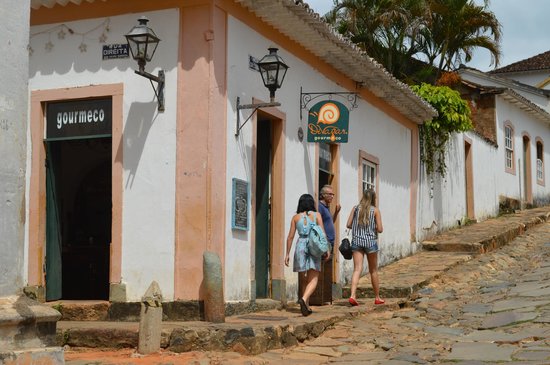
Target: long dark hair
[(306, 203)]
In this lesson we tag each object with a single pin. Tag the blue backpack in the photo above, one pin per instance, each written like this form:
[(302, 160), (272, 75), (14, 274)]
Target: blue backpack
[(317, 240)]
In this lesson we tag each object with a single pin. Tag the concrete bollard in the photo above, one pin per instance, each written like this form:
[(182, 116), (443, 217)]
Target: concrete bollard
[(214, 304), (150, 320)]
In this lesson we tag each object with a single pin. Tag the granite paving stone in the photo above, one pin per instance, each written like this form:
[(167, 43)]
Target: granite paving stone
[(481, 351), (506, 318), (437, 302), (515, 303)]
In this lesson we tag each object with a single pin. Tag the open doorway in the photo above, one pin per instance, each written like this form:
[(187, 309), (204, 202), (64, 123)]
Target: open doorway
[(78, 219), (263, 207)]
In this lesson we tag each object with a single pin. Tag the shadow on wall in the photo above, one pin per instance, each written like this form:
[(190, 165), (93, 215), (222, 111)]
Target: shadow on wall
[(141, 118)]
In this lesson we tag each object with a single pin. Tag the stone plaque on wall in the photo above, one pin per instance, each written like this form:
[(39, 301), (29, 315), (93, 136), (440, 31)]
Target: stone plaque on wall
[(240, 205)]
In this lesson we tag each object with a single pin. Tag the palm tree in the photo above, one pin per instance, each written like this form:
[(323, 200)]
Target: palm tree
[(454, 29), (385, 29), (443, 33)]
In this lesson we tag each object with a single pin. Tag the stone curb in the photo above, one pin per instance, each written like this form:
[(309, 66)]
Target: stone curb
[(240, 335), (487, 244)]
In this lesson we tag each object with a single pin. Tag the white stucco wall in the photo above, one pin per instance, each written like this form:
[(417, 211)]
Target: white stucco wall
[(485, 180), (13, 114), (149, 145), (371, 130), (442, 201)]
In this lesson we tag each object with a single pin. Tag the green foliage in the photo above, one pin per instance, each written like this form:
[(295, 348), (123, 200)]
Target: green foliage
[(454, 116), (397, 33)]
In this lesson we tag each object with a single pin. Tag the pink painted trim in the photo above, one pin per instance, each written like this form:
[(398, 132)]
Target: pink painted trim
[(528, 178), (201, 146)]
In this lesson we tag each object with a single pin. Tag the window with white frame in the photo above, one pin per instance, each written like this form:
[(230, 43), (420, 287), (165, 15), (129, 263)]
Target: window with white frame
[(509, 147), (369, 169), (540, 162), (369, 175)]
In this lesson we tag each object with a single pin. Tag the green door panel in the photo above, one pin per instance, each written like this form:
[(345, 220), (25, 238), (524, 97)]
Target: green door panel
[(53, 236)]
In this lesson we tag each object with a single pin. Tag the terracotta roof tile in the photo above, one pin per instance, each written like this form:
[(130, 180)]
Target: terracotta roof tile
[(535, 63)]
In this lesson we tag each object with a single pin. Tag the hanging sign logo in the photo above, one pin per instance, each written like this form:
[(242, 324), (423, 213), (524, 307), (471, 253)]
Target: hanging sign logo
[(328, 121)]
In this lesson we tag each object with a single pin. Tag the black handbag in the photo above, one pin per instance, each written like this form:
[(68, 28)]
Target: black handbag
[(345, 248)]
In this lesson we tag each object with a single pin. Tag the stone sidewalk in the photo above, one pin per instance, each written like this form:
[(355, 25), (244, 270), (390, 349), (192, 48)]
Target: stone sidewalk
[(258, 332)]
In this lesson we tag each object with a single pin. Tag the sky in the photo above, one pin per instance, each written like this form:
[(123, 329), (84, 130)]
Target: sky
[(525, 30)]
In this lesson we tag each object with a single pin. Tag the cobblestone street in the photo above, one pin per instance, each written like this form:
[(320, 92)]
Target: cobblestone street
[(494, 308)]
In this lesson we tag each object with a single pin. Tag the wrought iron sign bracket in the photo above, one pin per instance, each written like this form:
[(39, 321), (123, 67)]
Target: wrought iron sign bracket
[(249, 106), (306, 98)]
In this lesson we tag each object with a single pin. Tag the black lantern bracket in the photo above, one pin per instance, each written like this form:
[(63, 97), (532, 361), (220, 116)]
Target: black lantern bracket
[(159, 90), (273, 69), (143, 42), (306, 98), (257, 106)]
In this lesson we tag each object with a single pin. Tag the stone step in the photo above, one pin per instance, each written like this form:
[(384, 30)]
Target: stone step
[(87, 310), (400, 280), (28, 332), (251, 333), (488, 235)]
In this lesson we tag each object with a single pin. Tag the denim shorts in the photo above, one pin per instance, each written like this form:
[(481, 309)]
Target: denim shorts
[(371, 249)]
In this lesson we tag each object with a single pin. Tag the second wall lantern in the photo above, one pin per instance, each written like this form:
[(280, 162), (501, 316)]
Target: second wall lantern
[(273, 70)]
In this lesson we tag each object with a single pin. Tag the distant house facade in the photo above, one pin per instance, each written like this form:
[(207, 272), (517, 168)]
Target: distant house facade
[(533, 71), (503, 163), (140, 195)]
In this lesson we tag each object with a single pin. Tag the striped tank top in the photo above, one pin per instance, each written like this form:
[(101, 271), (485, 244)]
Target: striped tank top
[(364, 236)]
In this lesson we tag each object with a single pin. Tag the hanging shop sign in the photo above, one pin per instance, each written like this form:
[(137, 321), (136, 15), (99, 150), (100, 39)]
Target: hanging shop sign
[(239, 209), (79, 119), (328, 121)]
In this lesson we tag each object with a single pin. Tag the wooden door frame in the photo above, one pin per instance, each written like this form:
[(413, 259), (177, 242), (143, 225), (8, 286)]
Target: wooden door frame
[(277, 284), (335, 152), (37, 190), (527, 171)]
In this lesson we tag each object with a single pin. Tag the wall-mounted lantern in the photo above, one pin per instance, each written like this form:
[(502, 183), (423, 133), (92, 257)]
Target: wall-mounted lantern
[(273, 70), (143, 43)]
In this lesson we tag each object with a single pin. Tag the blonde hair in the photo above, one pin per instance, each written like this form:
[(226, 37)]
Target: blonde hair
[(368, 200)]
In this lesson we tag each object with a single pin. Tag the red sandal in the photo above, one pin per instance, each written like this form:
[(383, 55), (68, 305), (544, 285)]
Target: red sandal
[(379, 301), (353, 302)]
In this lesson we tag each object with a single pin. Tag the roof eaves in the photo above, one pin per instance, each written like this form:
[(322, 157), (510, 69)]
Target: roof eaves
[(504, 81), (301, 24), (524, 104), (514, 98)]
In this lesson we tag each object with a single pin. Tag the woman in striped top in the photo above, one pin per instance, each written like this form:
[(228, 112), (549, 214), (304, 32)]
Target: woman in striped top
[(365, 223)]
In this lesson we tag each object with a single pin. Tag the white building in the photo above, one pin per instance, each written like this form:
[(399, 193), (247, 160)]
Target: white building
[(143, 196)]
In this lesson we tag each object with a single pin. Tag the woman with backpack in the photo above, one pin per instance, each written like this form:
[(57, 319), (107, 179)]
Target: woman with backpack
[(365, 222), (306, 216)]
